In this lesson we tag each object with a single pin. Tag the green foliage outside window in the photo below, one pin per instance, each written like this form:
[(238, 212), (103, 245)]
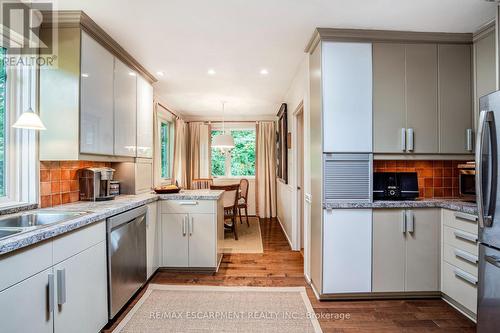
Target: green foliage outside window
[(3, 79), (242, 156), (165, 152)]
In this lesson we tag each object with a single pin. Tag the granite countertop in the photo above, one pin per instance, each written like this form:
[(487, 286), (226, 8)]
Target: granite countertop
[(193, 195), (452, 204), (97, 211)]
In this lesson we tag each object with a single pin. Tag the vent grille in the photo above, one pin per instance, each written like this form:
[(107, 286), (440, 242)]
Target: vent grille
[(348, 177)]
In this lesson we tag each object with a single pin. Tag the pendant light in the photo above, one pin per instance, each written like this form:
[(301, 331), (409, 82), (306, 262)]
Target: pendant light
[(29, 119), (223, 141)]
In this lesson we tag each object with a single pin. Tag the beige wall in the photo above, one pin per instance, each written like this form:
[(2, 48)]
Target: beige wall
[(297, 93), (251, 190)]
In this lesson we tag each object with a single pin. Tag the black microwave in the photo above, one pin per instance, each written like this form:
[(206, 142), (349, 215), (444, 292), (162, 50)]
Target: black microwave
[(467, 181), (395, 186)]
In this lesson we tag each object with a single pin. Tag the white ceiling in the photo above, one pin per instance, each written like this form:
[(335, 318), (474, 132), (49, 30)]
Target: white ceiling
[(238, 38)]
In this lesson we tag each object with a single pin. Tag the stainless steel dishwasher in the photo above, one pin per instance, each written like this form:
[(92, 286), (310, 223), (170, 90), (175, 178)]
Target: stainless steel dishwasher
[(126, 236)]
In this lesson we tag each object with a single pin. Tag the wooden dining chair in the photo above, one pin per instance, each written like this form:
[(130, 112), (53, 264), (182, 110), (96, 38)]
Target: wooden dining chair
[(243, 200), (201, 183), (230, 200)]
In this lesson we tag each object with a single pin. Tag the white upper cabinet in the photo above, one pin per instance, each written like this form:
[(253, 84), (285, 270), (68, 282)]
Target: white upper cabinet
[(347, 97), (144, 118), (96, 98), (125, 121)]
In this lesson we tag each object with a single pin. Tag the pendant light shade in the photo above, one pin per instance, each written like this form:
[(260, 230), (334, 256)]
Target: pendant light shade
[(223, 141), (29, 120)]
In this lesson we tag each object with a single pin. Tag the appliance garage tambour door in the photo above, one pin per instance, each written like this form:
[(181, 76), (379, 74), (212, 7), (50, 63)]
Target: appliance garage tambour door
[(347, 177)]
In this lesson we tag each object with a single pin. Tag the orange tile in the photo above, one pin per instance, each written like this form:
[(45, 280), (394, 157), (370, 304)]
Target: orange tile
[(438, 172), (55, 187), (438, 193), (427, 173), (44, 175), (437, 182), (447, 182), (56, 199), (437, 164), (73, 185), (448, 192), (45, 201), (428, 192), (74, 196), (428, 182), (65, 186), (73, 174), (45, 188), (447, 172), (65, 198), (65, 174), (55, 174)]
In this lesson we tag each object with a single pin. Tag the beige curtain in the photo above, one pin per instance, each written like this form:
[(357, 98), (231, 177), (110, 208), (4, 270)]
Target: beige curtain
[(199, 151), (180, 153), (266, 169)]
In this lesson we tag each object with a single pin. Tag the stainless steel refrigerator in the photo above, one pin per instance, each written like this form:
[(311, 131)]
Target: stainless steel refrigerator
[(488, 202)]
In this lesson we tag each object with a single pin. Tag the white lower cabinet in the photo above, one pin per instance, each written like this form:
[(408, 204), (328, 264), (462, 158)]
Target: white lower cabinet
[(81, 302), (202, 240), (175, 240), (152, 239), (24, 307), (347, 251), (70, 295)]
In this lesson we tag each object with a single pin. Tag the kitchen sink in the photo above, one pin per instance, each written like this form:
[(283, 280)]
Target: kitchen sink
[(9, 232), (10, 226)]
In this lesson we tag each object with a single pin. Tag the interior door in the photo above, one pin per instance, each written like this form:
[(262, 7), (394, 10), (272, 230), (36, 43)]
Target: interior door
[(82, 292), (389, 250), (422, 250), (175, 240), (202, 236), (24, 307)]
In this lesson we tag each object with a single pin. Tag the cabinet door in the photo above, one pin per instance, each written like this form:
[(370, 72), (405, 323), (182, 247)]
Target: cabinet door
[(202, 240), (96, 98), (152, 239), (389, 243), (347, 251), (455, 98), (81, 292), (144, 118), (174, 240), (125, 110), (389, 109), (421, 97), (347, 97), (24, 306), (423, 250), (485, 69)]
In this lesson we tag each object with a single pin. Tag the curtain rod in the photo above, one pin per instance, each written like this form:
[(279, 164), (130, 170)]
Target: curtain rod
[(168, 110), (226, 121)]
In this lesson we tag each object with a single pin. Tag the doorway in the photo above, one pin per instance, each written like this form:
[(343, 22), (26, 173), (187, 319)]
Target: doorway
[(299, 181)]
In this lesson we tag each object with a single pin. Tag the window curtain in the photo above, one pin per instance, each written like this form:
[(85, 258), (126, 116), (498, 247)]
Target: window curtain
[(199, 151), (265, 176), (180, 153)]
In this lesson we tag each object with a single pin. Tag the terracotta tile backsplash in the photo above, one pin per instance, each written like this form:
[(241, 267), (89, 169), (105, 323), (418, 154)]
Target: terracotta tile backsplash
[(436, 179), (59, 181)]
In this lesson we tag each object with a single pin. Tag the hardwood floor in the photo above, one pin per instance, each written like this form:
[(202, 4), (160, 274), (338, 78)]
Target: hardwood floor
[(279, 266)]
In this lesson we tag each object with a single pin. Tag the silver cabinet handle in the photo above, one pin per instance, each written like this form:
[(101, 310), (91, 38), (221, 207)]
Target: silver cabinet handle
[(51, 292), (468, 139), (465, 216), (410, 221), (61, 286), (411, 143), (190, 225), (403, 139), (465, 236), (465, 276), (466, 256), (188, 203), (403, 222), (184, 225)]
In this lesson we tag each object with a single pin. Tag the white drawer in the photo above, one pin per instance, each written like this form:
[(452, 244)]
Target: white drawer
[(460, 239), (21, 264), (68, 245), (456, 286), (461, 259), (188, 206), (462, 221)]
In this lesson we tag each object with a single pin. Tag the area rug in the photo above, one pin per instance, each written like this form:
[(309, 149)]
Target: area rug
[(168, 308), (249, 238)]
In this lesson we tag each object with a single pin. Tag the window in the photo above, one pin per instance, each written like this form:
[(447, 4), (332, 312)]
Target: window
[(3, 121), (166, 151), (238, 162)]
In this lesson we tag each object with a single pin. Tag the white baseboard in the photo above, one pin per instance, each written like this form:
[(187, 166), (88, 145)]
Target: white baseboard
[(284, 231)]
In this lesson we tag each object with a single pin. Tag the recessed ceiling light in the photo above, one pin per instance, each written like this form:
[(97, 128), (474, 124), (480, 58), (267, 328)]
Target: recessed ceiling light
[(85, 75), (160, 73), (264, 72), (131, 73), (211, 71)]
